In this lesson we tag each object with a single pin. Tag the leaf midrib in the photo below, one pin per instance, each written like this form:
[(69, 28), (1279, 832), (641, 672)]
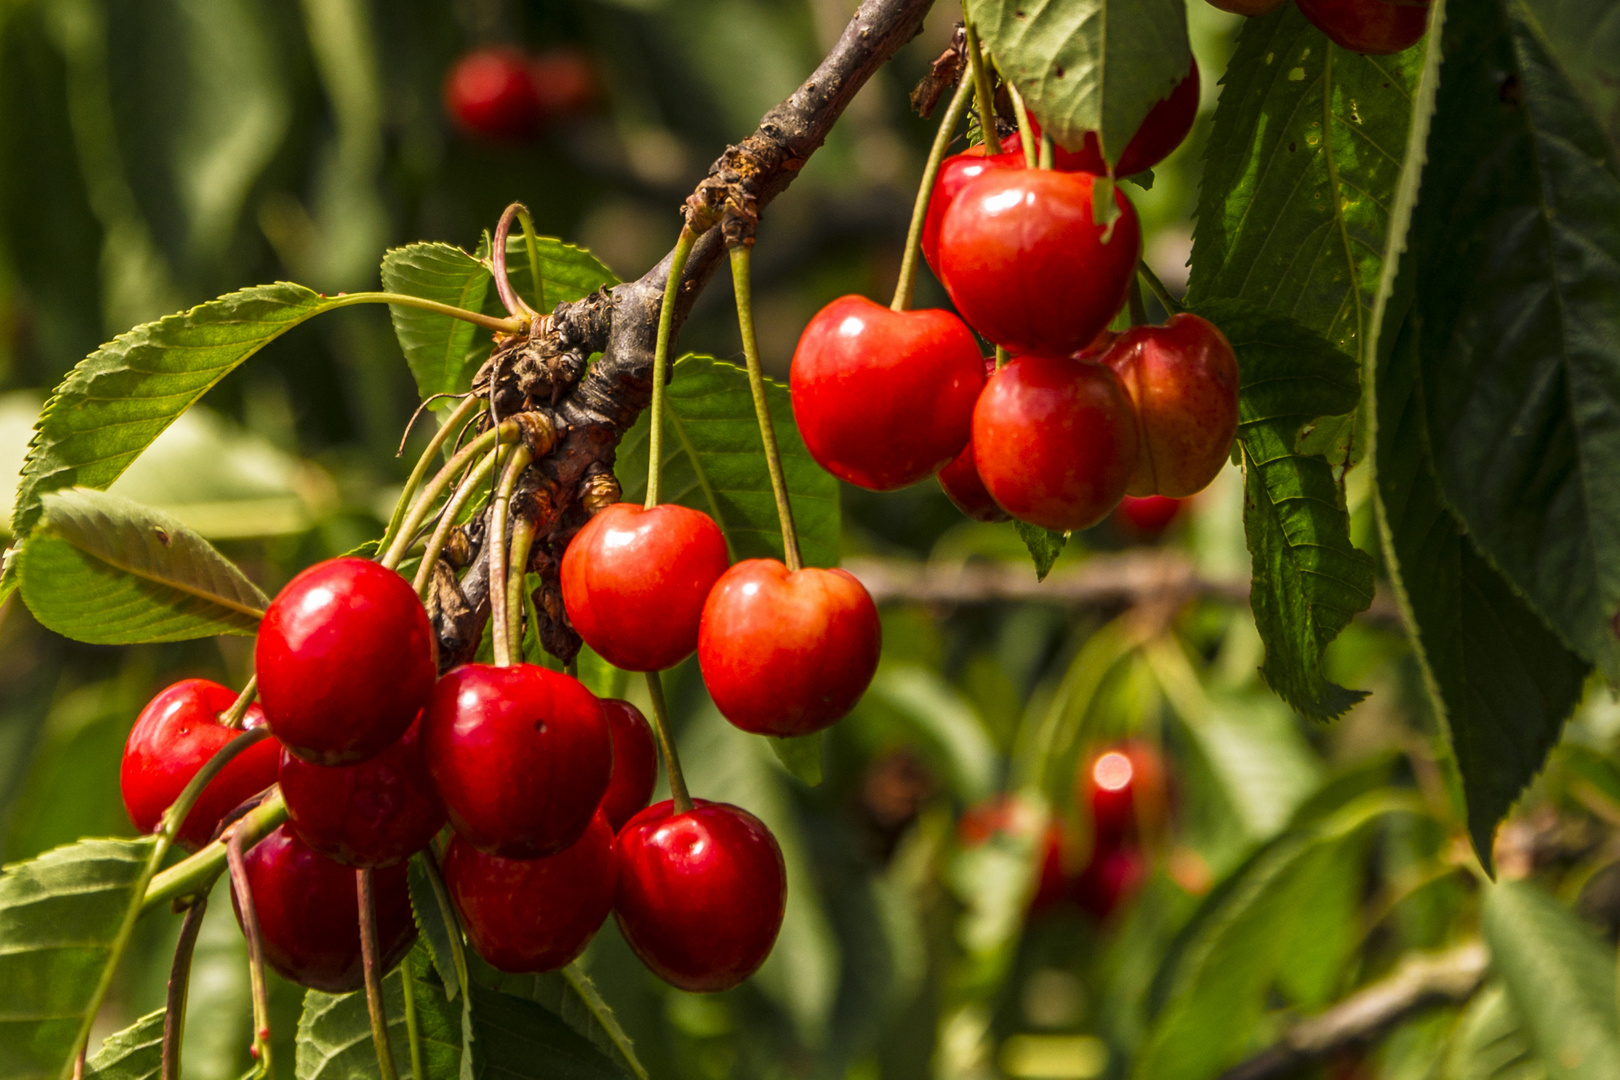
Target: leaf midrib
[(156, 579)]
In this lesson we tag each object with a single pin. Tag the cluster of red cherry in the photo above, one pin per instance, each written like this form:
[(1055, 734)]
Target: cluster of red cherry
[(1078, 417), (499, 94), (1364, 26)]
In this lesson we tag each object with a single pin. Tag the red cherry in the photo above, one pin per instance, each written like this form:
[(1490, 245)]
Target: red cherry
[(954, 173), (884, 398), (1148, 515), (371, 814), (960, 479), (635, 762), (1056, 441), (1182, 378), (345, 658), (520, 755), (1165, 127), (1109, 879), (309, 913), (634, 582), (564, 82), (787, 652), (534, 914), (1125, 787), (178, 733), (998, 816), (489, 94), (1368, 26), (701, 894), (1027, 266)]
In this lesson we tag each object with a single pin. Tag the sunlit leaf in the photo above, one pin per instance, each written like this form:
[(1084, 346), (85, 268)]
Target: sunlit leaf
[(441, 351), (136, 1053)]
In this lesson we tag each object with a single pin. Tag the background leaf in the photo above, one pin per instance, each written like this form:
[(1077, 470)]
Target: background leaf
[(570, 995), (62, 918), (714, 462), (136, 1053), (800, 756), (102, 569), (1088, 65), (1560, 977)]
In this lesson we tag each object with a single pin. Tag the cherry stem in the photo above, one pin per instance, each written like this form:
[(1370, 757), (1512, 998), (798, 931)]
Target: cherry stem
[(1026, 133), (740, 260), (413, 1033), (925, 191), (666, 743), (450, 514), (495, 546), (371, 965), (235, 853), (1001, 357), (1045, 161), (477, 318), (452, 424), (1139, 316), (505, 432), (981, 83), (666, 326), (530, 242), (232, 717), (169, 824), (517, 572), (197, 874), (174, 1012), (497, 254), (1172, 306)]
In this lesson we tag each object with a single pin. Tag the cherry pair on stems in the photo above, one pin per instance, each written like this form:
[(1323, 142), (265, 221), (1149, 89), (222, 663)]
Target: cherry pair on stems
[(499, 94)]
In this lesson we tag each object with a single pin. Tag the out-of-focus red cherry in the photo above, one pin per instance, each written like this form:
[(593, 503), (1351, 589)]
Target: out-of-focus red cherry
[(178, 733), (1111, 877), (1375, 27), (1126, 790), (1148, 515), (490, 94), (1000, 816), (1165, 127), (565, 82)]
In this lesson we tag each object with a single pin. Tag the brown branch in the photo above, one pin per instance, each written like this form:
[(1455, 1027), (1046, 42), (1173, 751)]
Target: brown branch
[(1420, 983), (544, 370)]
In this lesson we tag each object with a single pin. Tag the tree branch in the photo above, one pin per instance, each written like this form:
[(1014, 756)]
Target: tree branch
[(1420, 983)]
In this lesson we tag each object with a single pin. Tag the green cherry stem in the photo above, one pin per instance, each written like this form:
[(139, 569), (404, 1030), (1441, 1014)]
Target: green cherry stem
[(512, 325), (526, 223), (174, 1012), (666, 326), (517, 571), (232, 717), (919, 211), (1045, 161), (197, 874), (507, 431), (1172, 306), (666, 743), (981, 83), (495, 542), (1001, 356), (169, 823), (413, 1033), (452, 511), (740, 259), (1026, 133), (371, 965), (235, 856), (452, 424)]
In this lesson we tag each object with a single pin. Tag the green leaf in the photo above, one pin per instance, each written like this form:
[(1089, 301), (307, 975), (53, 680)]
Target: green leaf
[(334, 1034), (1044, 546), (64, 918), (1516, 249), (1559, 975), (136, 1053), (442, 352), (437, 923), (1299, 176), (1088, 65), (569, 273), (1309, 579), (123, 395), (1489, 1043), (800, 756), (570, 995), (105, 570), (714, 461), (1501, 680)]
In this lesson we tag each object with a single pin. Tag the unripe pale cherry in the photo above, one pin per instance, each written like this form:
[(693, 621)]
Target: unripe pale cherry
[(527, 915), (520, 756), (1182, 378), (787, 652), (346, 658), (1056, 441), (178, 733), (1027, 264), (701, 894), (634, 581), (884, 398)]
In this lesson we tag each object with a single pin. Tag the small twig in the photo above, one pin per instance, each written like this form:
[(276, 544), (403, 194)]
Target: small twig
[(371, 964), (666, 743), (1420, 983), (235, 854), (174, 1012)]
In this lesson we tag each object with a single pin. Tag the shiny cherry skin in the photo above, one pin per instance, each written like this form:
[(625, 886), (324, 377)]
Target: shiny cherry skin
[(520, 757), (526, 915), (1182, 378), (490, 94), (371, 814), (1165, 127), (1056, 441), (787, 652), (1251, 8), (701, 894), (1000, 815), (1109, 880), (1376, 27), (954, 173), (309, 913), (884, 398), (1026, 265), (564, 81), (1148, 515), (635, 762), (634, 581), (960, 479), (345, 658), (1126, 790), (178, 733)]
